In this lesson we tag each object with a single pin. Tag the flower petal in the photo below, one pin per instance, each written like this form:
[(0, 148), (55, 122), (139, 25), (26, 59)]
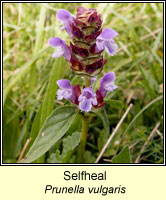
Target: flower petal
[(85, 105), (63, 49), (60, 94), (67, 52), (81, 98), (87, 99), (110, 87), (110, 76), (105, 40), (68, 29), (88, 92), (67, 19), (58, 53), (107, 34), (107, 83), (56, 42), (66, 91), (64, 84), (111, 47), (99, 45), (64, 15), (94, 102), (65, 94)]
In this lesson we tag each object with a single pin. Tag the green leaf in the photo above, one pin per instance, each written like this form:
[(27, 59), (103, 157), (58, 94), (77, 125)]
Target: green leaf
[(11, 134), (69, 144), (76, 125), (104, 135), (36, 125), (123, 156), (114, 103), (48, 103), (88, 157), (54, 128), (104, 118)]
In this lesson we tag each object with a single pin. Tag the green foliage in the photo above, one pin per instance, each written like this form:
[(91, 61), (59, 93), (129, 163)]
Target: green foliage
[(141, 111), (76, 125), (88, 157), (53, 130), (103, 134), (30, 75), (48, 103), (114, 103), (149, 82), (24, 69), (123, 156), (69, 144), (38, 45)]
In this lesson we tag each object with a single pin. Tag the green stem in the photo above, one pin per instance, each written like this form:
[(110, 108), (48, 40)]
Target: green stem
[(84, 134), (87, 81)]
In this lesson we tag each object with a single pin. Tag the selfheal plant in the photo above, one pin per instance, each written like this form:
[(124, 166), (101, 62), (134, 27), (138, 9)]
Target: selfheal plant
[(85, 54)]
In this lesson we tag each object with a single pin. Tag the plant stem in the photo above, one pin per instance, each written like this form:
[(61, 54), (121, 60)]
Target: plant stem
[(84, 134), (87, 81)]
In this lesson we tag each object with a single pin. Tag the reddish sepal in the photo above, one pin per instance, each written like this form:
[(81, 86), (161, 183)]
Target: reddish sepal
[(75, 64)]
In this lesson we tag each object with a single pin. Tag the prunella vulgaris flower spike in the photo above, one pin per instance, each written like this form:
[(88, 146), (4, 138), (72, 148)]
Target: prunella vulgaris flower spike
[(84, 52), (88, 41)]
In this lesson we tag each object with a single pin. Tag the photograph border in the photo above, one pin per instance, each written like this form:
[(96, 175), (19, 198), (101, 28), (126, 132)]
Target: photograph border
[(81, 164)]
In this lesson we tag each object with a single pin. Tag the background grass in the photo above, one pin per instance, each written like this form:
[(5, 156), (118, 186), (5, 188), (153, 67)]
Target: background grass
[(30, 74)]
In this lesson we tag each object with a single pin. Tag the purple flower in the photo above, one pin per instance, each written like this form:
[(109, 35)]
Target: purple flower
[(105, 40), (66, 91), (67, 19), (107, 83), (88, 40), (87, 99), (61, 48)]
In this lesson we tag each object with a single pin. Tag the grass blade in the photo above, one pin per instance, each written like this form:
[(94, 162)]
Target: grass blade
[(141, 111), (48, 102), (38, 46), (24, 69)]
